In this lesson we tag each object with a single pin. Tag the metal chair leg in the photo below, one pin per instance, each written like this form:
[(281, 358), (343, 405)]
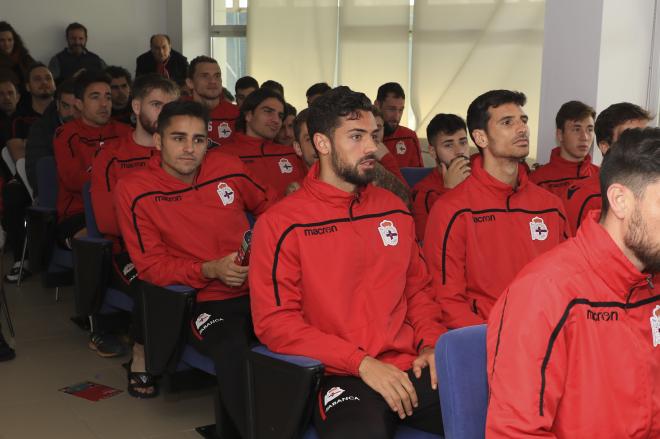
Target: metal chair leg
[(57, 294), (20, 270), (3, 302)]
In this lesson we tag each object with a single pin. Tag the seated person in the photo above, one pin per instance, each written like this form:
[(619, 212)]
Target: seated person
[(285, 135), (76, 144), (120, 157), (315, 91), (205, 81), (167, 214), (75, 57), (244, 86), (401, 141), (120, 87), (571, 353), (9, 97), (570, 161), (337, 275), (448, 145), (583, 196), (275, 166), (482, 232), (163, 60), (274, 86)]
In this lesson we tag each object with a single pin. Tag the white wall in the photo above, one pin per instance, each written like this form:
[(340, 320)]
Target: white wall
[(119, 30)]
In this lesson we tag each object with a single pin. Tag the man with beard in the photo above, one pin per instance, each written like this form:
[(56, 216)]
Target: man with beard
[(337, 275), (120, 87), (205, 81), (573, 342), (9, 97), (482, 232), (285, 134), (75, 56), (401, 141), (121, 157)]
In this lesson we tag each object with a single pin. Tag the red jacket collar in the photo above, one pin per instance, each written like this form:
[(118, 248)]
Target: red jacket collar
[(605, 258), (484, 178), (557, 160), (330, 194)]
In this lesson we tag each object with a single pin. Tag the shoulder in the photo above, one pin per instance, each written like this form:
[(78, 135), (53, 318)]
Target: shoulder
[(66, 130), (541, 197)]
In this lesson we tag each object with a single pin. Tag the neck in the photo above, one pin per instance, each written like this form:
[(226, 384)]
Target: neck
[(569, 158), (503, 169), (210, 104), (187, 179), (90, 123), (615, 229), (250, 132), (143, 138), (327, 175), (39, 105)]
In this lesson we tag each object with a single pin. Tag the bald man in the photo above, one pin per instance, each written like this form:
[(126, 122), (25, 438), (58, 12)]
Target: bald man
[(162, 59)]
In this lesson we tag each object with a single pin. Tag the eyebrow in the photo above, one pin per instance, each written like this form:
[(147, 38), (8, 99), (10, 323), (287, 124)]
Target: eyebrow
[(266, 107)]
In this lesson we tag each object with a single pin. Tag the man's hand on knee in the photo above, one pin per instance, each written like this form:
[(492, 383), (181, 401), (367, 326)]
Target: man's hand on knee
[(391, 383), (426, 358), (226, 270)]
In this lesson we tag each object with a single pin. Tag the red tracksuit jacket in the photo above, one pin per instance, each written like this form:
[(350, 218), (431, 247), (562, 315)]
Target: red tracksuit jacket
[(338, 276), (581, 198), (404, 145), (275, 166), (117, 159), (558, 174), (222, 123), (424, 195), (574, 346), (481, 234), (75, 145), (170, 228)]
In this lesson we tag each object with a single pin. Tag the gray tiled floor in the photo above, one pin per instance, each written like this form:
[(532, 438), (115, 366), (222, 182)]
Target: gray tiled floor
[(52, 353)]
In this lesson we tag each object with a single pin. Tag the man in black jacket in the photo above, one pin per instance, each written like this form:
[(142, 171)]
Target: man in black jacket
[(75, 56), (162, 59)]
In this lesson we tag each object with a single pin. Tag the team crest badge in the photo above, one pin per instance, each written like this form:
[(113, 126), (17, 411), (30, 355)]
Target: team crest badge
[(388, 233), (224, 130), (400, 147), (201, 319), (655, 325), (332, 394), (538, 229), (285, 166), (225, 193)]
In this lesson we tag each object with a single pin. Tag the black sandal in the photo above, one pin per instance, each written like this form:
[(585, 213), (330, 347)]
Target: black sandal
[(138, 381)]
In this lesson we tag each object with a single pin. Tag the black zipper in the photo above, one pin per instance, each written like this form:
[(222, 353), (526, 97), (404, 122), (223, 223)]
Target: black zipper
[(356, 199)]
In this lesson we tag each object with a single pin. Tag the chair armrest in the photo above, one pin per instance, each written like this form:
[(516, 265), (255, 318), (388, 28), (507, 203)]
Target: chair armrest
[(41, 224), (166, 313), (92, 258), (272, 375)]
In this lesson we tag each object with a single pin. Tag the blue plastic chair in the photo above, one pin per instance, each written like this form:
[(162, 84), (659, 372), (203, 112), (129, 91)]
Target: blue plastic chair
[(415, 175), (460, 357)]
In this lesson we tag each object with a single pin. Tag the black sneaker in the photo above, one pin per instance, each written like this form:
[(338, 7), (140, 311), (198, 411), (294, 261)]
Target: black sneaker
[(6, 353), (15, 272), (107, 345)]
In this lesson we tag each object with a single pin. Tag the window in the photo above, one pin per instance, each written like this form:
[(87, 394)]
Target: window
[(228, 39)]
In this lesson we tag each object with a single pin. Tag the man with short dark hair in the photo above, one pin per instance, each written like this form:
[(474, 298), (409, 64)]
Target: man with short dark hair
[(275, 166), (243, 87), (585, 195), (163, 60), (315, 91), (204, 198), (482, 232), (337, 275), (285, 134), (401, 141), (75, 56), (275, 86), (205, 81), (448, 145), (120, 88), (570, 161), (573, 341), (9, 97)]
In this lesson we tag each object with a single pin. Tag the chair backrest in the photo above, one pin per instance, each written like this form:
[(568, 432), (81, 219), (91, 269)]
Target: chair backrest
[(415, 175), (47, 182), (90, 219), (6, 156), (460, 357), (22, 173)]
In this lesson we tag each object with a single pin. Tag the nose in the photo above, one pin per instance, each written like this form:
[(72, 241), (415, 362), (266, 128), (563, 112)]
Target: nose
[(371, 146), (188, 146)]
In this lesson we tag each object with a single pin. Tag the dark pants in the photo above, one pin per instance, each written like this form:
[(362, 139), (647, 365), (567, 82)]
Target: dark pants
[(123, 277), (348, 408), (223, 331), (68, 227), (16, 200)]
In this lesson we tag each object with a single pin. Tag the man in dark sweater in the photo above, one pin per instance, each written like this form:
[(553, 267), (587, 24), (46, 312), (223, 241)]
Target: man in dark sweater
[(162, 59), (75, 56)]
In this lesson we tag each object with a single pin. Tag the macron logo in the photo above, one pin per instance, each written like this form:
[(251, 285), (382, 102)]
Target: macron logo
[(332, 394)]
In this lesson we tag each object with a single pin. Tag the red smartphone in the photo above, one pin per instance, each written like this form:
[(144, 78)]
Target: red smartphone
[(243, 256)]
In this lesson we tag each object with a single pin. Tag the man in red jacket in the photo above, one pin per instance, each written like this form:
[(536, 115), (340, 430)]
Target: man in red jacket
[(584, 195), (76, 144), (119, 158), (448, 145), (337, 275), (275, 166), (482, 232), (574, 341), (570, 161), (205, 81), (183, 218), (401, 141)]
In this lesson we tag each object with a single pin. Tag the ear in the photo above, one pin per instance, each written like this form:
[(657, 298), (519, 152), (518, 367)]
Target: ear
[(78, 104), (322, 143), (297, 148), (248, 116), (377, 104), (432, 152), (559, 136), (189, 83), (604, 147), (480, 138), (621, 199), (158, 141), (136, 105)]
